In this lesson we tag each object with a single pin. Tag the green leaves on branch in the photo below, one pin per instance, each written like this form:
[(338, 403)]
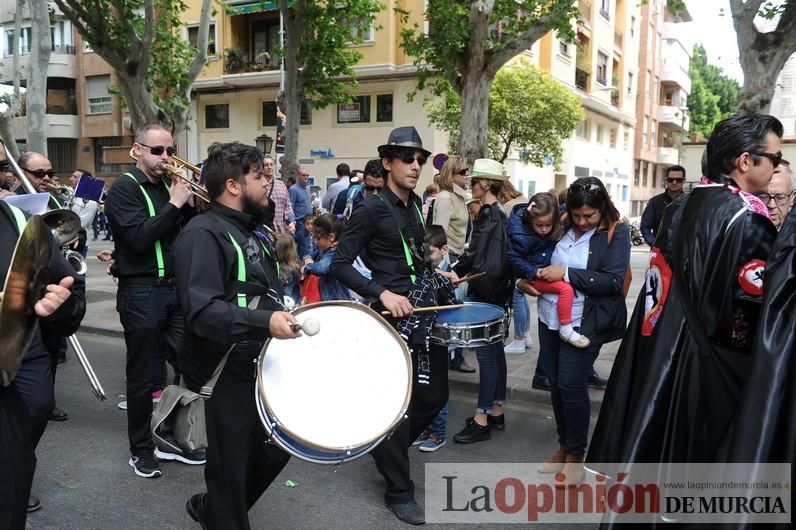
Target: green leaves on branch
[(529, 111), (714, 96)]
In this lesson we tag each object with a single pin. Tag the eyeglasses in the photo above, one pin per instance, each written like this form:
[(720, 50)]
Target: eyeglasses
[(40, 173), (408, 158), (157, 150), (775, 158), (463, 172), (374, 188), (675, 179), (586, 189), (779, 198)]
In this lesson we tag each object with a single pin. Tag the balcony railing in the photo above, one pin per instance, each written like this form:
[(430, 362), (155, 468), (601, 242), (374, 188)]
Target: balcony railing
[(615, 98), (70, 109), (581, 79), (67, 49), (605, 14)]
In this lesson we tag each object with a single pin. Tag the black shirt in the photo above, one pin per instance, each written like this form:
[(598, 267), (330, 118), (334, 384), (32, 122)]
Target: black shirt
[(135, 232), (652, 216), (374, 233), (206, 276), (66, 319)]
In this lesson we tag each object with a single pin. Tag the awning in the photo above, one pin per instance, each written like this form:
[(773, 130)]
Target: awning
[(252, 7)]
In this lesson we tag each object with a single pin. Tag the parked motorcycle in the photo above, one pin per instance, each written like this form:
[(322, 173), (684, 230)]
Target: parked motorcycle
[(635, 232)]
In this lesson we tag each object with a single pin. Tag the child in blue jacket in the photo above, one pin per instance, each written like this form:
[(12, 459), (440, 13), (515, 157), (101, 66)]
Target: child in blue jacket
[(327, 229)]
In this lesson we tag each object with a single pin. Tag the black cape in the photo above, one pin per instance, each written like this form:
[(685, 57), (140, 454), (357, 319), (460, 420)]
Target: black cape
[(675, 385)]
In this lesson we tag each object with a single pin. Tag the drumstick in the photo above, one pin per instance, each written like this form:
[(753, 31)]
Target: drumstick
[(431, 308), (310, 326), (469, 277)]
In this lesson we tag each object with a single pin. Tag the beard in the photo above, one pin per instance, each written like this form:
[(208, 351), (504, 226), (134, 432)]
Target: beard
[(252, 207)]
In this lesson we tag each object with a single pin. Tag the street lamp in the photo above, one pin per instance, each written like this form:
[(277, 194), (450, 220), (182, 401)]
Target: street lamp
[(264, 143)]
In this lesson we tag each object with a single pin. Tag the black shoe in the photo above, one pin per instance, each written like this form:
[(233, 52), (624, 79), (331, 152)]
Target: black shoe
[(540, 384), (58, 415), (34, 504), (61, 359), (463, 367), (408, 512), (196, 509), (145, 466), (494, 422), (598, 382), (472, 433), (196, 457)]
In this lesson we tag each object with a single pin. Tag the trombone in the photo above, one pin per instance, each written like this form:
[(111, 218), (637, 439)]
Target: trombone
[(175, 172)]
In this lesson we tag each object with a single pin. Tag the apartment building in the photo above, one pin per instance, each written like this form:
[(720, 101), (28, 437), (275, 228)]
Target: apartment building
[(600, 69), (661, 106), (234, 97), (783, 105)]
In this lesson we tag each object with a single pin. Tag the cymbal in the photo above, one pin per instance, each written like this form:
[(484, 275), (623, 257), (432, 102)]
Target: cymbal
[(24, 283), (64, 224)]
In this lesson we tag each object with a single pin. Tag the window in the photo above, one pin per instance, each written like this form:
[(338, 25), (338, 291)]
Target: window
[(612, 138), (269, 113), (653, 131), (99, 99), (629, 83), (644, 174), (563, 48), (605, 6), (357, 34), (384, 108), (583, 130), (626, 141), (648, 83), (193, 36), (637, 173), (99, 155), (61, 34), (655, 88), (581, 171), (217, 116), (602, 68), (632, 26), (24, 42), (625, 191), (600, 133), (531, 188), (654, 179), (645, 129)]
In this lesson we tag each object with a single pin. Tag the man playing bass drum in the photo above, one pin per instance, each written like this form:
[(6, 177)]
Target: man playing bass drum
[(230, 292)]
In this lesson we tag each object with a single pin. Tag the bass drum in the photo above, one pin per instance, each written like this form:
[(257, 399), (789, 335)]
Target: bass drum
[(332, 397)]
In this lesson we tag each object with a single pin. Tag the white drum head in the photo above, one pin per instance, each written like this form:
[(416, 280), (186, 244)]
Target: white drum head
[(345, 387)]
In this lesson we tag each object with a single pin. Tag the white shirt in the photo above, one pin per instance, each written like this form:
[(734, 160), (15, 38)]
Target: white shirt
[(86, 209), (569, 252)]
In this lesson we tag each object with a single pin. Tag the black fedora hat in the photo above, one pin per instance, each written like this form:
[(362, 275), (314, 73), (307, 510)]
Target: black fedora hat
[(405, 137)]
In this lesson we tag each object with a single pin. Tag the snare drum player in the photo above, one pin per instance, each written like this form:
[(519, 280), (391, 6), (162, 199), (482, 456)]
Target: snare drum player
[(230, 290), (387, 230)]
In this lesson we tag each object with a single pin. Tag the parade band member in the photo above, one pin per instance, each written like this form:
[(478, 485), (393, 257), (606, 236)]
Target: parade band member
[(25, 405), (146, 213), (210, 255), (686, 355), (387, 230)]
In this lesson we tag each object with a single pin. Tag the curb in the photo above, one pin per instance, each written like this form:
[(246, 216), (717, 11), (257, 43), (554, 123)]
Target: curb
[(95, 330)]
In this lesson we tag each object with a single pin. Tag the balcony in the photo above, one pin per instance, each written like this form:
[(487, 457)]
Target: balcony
[(674, 117), (618, 41), (668, 156), (676, 32), (584, 7), (672, 73), (57, 125), (582, 79)]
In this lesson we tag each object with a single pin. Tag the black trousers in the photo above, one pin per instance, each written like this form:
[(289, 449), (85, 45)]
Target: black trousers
[(35, 384), (240, 464), (429, 395), (153, 329), (17, 459)]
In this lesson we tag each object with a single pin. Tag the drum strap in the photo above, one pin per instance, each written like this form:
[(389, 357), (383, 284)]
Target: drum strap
[(151, 210), (241, 297), (407, 251)]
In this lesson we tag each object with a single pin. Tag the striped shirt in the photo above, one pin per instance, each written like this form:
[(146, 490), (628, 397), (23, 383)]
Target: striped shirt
[(283, 215)]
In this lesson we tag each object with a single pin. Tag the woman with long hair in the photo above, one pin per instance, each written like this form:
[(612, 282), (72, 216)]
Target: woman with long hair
[(450, 206)]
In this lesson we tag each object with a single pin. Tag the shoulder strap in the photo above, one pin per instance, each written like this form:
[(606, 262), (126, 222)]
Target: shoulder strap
[(207, 389), (151, 210), (407, 252), (19, 218)]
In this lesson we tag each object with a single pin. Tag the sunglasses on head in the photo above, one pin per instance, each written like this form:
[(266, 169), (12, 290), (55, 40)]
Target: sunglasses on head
[(40, 173), (408, 158), (374, 188), (775, 158), (157, 150), (586, 189), (674, 179)]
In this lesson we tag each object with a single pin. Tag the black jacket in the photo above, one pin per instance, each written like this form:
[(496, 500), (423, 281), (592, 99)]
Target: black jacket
[(652, 216)]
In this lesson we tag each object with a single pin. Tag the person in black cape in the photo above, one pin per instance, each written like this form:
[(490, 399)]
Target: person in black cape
[(685, 359)]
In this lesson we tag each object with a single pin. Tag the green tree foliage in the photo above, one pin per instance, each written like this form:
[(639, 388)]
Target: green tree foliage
[(714, 96), (141, 41), (528, 111), (468, 42)]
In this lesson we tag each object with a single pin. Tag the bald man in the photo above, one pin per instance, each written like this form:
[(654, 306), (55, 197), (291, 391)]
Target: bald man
[(778, 198)]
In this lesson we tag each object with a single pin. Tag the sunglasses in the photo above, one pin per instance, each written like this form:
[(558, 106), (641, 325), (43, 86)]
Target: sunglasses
[(40, 173), (463, 172), (586, 189), (157, 150), (775, 158), (675, 179), (374, 188), (408, 158)]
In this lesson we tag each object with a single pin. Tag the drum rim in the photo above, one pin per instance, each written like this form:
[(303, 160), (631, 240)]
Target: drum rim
[(471, 324), (276, 427)]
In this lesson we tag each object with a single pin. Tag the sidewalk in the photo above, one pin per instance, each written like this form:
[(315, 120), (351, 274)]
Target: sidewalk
[(102, 319)]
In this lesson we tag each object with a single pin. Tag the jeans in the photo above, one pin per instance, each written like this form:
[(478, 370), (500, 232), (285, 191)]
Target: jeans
[(440, 423), (302, 239), (522, 314), (492, 380), (153, 329), (568, 370)]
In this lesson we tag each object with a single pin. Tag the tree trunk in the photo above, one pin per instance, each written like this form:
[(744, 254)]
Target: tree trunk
[(294, 83), (37, 76), (7, 134), (140, 103), (472, 133), (6, 129)]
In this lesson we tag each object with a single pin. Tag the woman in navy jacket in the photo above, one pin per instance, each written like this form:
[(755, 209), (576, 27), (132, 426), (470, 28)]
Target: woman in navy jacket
[(593, 256)]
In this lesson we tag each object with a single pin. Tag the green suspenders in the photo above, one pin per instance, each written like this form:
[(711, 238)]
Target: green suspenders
[(56, 201), (19, 217), (151, 210), (242, 267), (407, 252)]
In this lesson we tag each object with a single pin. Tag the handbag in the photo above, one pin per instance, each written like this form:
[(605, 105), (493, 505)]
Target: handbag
[(187, 412)]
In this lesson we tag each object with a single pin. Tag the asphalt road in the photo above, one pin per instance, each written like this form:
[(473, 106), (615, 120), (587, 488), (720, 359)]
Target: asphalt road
[(84, 481)]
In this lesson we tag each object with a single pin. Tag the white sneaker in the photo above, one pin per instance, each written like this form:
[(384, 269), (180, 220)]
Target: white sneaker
[(576, 339), (528, 340), (122, 405), (515, 346)]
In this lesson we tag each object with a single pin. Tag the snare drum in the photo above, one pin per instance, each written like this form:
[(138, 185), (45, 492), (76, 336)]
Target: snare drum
[(334, 396), (476, 324)]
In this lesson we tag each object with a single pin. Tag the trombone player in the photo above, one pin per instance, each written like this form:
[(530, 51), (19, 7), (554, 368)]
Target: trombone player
[(26, 403), (146, 209)]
